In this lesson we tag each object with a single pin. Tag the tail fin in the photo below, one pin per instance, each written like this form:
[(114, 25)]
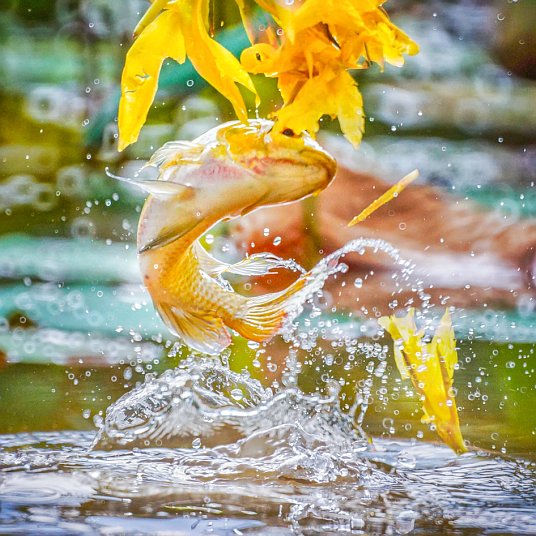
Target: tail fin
[(263, 316)]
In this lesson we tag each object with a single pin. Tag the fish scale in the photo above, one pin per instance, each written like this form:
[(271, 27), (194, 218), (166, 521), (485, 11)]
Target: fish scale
[(227, 172)]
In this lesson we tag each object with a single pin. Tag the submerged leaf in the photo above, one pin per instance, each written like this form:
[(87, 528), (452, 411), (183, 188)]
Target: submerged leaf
[(431, 370)]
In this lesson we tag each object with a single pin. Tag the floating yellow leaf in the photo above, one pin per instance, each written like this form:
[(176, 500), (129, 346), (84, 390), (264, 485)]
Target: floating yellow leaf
[(431, 370)]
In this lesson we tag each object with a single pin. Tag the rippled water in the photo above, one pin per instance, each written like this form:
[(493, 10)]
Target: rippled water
[(223, 455)]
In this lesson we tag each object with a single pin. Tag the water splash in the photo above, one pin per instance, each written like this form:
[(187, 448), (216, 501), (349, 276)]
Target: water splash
[(203, 403), (330, 266), (222, 452)]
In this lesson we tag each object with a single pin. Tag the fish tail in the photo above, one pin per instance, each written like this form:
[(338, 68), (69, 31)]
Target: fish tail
[(264, 316)]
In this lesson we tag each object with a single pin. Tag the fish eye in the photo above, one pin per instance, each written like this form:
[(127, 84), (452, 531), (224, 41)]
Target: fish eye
[(288, 132)]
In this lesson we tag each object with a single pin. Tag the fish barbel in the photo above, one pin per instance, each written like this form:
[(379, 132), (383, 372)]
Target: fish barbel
[(225, 173)]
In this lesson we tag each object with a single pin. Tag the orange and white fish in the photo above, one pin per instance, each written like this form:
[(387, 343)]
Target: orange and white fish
[(225, 173)]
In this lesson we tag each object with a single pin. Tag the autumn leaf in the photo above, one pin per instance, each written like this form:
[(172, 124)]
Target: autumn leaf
[(160, 39), (321, 41), (178, 32), (430, 367), (309, 46)]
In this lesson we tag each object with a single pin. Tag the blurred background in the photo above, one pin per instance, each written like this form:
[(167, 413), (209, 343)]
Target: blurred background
[(77, 329)]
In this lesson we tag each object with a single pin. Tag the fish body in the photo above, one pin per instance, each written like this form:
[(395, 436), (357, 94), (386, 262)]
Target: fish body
[(225, 173)]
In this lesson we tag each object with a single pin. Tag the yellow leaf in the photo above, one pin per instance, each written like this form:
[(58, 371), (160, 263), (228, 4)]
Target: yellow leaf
[(154, 9), (346, 13), (213, 61), (312, 101), (385, 198), (160, 39), (178, 31), (431, 370), (348, 107), (330, 93)]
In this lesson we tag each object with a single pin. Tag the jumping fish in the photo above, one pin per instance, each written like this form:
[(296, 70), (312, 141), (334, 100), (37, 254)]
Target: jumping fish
[(225, 173)]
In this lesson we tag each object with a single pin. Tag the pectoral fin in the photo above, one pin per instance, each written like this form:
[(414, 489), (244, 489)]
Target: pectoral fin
[(157, 188), (204, 333), (168, 235), (252, 266)]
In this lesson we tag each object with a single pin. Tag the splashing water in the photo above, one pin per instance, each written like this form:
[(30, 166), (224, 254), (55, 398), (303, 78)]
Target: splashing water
[(221, 453), (203, 403), (290, 465), (206, 404), (330, 266)]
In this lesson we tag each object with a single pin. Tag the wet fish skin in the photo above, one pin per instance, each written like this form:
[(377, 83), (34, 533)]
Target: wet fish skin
[(227, 172)]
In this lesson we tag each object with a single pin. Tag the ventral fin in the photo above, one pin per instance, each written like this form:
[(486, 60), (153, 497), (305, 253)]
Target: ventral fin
[(257, 264), (157, 188), (204, 333), (209, 264)]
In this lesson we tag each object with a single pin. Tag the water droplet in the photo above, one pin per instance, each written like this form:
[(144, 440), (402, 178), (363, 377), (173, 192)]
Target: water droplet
[(237, 394), (405, 521), (405, 460)]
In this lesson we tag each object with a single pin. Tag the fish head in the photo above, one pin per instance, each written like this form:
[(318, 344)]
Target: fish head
[(228, 172), (289, 167)]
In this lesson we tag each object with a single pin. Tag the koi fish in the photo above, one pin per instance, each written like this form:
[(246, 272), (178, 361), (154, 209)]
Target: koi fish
[(227, 172)]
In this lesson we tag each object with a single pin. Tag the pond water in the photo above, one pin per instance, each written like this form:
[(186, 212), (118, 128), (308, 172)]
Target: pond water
[(108, 426), (201, 449)]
